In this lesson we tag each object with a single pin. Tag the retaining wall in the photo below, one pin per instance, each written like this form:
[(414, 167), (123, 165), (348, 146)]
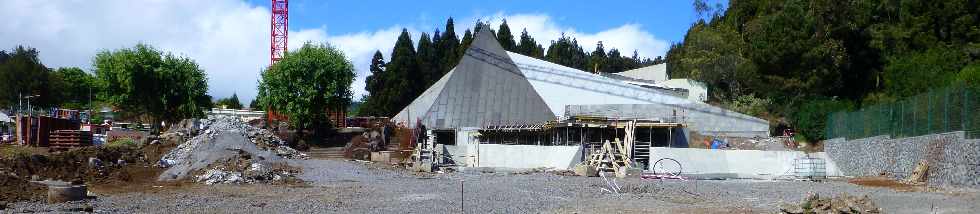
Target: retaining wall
[(952, 159), (750, 164)]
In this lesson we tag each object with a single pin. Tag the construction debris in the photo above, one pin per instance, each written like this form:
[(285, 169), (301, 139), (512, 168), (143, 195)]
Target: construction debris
[(227, 150), (813, 203)]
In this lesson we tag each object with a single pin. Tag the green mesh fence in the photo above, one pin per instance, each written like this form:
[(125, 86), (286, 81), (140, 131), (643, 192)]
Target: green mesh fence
[(938, 111)]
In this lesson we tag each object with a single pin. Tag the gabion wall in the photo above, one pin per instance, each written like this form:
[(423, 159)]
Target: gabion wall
[(952, 159)]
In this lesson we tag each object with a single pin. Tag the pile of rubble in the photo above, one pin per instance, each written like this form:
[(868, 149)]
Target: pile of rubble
[(224, 149), (844, 203)]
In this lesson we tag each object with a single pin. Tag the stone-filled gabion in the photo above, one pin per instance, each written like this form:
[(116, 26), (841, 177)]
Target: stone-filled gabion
[(952, 159)]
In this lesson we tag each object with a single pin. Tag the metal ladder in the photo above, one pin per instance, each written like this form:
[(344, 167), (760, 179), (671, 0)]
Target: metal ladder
[(641, 152)]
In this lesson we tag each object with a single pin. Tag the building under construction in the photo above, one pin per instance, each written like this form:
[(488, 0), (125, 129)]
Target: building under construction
[(502, 109)]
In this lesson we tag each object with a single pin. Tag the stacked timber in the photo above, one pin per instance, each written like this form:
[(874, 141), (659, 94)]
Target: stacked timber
[(66, 139)]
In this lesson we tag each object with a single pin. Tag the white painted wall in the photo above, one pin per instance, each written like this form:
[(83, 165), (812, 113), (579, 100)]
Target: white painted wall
[(656, 73), (696, 91), (754, 164), (528, 156)]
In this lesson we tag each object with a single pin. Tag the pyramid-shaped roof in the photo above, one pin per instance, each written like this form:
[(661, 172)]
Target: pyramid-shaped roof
[(485, 88)]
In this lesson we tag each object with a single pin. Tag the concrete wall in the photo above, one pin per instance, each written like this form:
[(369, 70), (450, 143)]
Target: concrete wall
[(698, 117), (528, 156), (696, 91), (952, 159), (754, 164)]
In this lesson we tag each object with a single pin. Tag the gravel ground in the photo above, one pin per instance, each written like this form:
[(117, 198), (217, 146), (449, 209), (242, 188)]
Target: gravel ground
[(350, 187)]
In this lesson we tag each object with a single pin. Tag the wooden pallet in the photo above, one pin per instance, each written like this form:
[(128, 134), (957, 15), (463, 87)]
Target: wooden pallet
[(66, 139)]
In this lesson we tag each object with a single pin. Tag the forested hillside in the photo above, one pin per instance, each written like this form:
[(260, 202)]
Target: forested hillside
[(794, 61)]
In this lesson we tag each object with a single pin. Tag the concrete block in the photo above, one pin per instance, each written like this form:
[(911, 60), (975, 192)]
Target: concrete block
[(585, 170)]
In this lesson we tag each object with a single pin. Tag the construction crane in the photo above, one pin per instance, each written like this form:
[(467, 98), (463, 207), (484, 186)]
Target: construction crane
[(280, 29)]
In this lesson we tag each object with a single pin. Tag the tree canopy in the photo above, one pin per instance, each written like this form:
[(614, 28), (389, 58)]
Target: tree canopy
[(145, 81), (306, 84), (75, 87), (22, 74), (812, 57), (230, 102)]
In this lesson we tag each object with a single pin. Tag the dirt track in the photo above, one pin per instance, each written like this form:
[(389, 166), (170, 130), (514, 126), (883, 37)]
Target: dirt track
[(348, 187)]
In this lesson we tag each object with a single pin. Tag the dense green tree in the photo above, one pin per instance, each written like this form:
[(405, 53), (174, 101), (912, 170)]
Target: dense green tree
[(375, 85), (22, 74), (465, 43), (230, 102), (256, 105), (426, 58), (505, 38), (75, 88), (448, 48), (403, 80), (615, 62), (567, 52), (144, 81), (306, 84), (597, 60), (803, 53), (529, 47)]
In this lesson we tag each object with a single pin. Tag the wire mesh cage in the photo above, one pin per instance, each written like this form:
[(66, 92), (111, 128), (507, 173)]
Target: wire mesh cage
[(949, 109)]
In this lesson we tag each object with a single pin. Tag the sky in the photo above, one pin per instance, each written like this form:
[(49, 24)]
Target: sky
[(229, 39)]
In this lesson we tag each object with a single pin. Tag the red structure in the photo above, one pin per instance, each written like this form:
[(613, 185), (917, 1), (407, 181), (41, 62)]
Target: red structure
[(280, 30)]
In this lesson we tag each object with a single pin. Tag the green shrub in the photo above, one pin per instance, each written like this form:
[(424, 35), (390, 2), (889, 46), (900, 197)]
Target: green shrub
[(124, 142), (810, 120)]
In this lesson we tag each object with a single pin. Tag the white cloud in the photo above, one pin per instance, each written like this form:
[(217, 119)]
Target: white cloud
[(359, 47), (544, 29), (230, 38), (227, 38)]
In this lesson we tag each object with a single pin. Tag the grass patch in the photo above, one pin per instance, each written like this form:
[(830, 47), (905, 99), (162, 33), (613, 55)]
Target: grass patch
[(122, 143)]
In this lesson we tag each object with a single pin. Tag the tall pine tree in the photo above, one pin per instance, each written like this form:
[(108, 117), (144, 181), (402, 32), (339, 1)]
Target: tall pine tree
[(529, 47), (426, 59), (404, 84), (505, 38), (375, 84), (567, 52), (465, 43), (597, 60), (448, 47)]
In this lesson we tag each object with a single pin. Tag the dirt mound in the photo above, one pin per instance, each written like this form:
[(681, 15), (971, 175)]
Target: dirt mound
[(89, 164), (813, 203), (886, 183), (19, 189)]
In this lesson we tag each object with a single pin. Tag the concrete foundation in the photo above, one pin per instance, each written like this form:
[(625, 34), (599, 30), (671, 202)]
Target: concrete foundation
[(749, 164), (528, 156)]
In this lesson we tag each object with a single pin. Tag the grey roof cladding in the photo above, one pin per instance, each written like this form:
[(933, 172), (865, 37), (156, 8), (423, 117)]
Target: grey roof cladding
[(485, 88)]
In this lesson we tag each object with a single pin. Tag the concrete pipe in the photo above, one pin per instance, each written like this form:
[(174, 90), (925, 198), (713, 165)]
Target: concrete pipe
[(64, 192)]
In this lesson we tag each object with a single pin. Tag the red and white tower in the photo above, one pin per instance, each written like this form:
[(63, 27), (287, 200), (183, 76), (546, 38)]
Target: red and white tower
[(280, 31)]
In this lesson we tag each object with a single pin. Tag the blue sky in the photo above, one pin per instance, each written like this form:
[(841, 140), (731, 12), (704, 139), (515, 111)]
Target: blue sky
[(229, 39), (666, 19)]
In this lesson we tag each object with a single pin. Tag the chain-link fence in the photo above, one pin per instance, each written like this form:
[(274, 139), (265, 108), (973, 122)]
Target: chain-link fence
[(938, 111)]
